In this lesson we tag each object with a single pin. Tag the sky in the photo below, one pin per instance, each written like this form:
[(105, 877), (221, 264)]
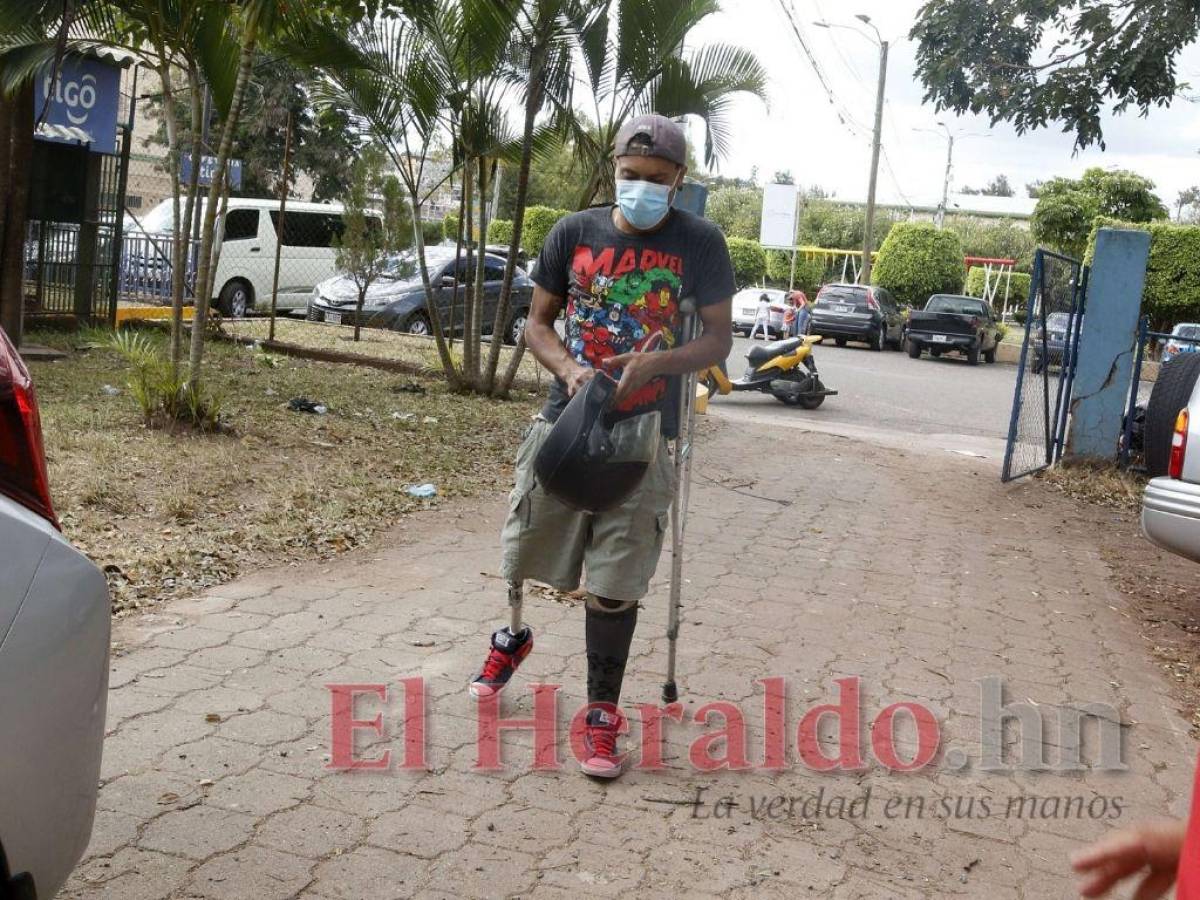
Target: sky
[(799, 129)]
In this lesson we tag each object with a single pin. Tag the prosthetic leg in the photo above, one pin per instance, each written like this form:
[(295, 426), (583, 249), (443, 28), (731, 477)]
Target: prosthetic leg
[(516, 599), (679, 504)]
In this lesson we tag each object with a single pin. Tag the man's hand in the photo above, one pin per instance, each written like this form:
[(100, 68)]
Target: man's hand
[(636, 370), (1152, 848), (577, 377)]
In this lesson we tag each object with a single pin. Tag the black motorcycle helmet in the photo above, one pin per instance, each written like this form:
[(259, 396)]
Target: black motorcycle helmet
[(579, 463)]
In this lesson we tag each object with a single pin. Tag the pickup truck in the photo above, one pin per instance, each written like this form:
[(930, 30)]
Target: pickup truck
[(952, 323)]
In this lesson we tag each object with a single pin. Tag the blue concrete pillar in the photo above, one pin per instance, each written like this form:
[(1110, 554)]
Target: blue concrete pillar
[(1107, 343)]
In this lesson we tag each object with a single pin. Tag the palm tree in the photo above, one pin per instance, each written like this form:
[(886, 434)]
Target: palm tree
[(645, 67)]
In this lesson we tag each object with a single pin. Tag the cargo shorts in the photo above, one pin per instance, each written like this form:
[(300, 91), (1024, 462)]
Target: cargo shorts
[(546, 540)]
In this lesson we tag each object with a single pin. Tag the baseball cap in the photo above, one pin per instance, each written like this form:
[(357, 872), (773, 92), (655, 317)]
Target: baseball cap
[(659, 137)]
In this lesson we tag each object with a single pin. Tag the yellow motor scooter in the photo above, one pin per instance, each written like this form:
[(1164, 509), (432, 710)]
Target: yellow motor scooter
[(786, 370)]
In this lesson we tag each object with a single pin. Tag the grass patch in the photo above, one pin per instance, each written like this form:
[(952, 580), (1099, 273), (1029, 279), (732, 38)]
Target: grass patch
[(168, 514), (376, 342), (1097, 482)]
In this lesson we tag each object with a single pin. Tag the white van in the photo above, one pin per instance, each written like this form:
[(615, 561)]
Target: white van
[(245, 250)]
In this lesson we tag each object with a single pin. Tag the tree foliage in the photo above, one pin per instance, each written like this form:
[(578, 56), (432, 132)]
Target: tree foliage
[(371, 235), (994, 239), (1036, 62), (538, 222), (736, 210), (1067, 207), (997, 187), (917, 260), (749, 261)]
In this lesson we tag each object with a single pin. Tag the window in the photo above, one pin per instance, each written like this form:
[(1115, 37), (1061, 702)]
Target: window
[(493, 270), (241, 224), (308, 229)]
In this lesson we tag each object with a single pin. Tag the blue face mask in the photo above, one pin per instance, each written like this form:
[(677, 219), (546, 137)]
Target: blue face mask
[(644, 204)]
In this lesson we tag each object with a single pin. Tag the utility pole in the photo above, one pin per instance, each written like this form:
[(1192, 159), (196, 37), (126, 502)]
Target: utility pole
[(940, 219), (869, 231)]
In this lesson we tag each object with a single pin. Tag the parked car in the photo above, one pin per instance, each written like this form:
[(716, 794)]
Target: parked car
[(855, 312), (1171, 501), (951, 323), (397, 300), (1174, 348), (745, 310), (54, 638), (1060, 333), (246, 239)]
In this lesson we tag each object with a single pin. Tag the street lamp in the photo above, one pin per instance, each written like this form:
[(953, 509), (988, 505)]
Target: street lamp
[(869, 231)]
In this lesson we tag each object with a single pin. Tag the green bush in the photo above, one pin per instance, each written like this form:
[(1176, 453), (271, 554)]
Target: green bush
[(749, 260), (538, 222), (918, 260), (450, 227), (1018, 291), (500, 231), (1172, 292), (809, 276), (431, 231), (990, 239)]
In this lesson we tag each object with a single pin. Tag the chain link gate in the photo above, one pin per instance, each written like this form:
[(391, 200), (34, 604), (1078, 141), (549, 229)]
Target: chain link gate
[(1046, 369)]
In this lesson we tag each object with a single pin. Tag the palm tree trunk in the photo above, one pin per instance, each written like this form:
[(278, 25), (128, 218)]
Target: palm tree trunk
[(204, 275), (510, 371), (16, 201), (533, 102), (179, 275), (480, 275), (435, 316), (468, 269), (177, 232), (458, 249)]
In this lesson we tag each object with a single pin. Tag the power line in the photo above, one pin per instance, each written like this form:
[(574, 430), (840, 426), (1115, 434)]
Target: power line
[(843, 114)]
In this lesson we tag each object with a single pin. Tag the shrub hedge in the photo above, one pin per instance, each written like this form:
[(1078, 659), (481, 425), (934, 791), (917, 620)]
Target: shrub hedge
[(500, 231), (538, 222), (1172, 292), (917, 260), (749, 260)]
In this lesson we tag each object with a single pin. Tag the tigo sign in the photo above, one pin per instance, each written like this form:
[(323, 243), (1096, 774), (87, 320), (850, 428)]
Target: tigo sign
[(83, 96)]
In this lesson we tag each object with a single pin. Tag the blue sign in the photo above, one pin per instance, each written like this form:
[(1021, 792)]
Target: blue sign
[(82, 99), (208, 168)]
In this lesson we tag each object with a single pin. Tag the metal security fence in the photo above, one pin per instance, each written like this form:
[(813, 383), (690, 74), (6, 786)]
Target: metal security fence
[(1046, 369)]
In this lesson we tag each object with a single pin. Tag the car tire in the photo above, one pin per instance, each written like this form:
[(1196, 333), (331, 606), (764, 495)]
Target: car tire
[(515, 326), (841, 342), (880, 339), (989, 356), (417, 323), (235, 300), (914, 349), (1172, 391)]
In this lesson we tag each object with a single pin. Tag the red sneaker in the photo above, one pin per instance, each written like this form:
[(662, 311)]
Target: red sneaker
[(506, 655), (600, 740)]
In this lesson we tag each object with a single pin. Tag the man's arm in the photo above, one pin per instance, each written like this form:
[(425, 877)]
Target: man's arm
[(545, 344), (711, 347)]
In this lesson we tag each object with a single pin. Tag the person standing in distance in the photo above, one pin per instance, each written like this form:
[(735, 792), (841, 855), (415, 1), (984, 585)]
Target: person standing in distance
[(621, 272)]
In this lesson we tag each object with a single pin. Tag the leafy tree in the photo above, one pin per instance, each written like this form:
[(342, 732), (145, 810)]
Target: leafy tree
[(736, 210), (1187, 201), (635, 58), (1033, 62), (1033, 189), (917, 260), (553, 182), (1067, 207), (988, 239), (835, 226), (784, 177), (997, 187), (371, 238)]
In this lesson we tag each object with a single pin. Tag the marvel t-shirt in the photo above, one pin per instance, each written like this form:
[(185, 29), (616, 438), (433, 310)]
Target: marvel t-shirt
[(622, 294)]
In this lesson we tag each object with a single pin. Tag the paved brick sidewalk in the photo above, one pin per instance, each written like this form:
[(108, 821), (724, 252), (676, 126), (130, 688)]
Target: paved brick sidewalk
[(821, 559)]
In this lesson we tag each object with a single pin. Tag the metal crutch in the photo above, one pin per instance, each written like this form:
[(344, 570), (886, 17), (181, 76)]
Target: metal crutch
[(679, 504)]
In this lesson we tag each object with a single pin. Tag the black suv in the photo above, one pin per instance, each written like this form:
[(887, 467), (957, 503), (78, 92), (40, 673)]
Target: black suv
[(856, 312)]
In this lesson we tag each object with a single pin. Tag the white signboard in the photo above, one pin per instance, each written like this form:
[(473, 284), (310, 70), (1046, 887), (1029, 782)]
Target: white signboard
[(778, 216)]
